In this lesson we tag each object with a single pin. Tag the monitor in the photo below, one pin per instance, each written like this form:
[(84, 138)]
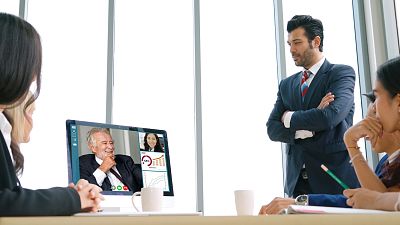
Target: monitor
[(133, 147)]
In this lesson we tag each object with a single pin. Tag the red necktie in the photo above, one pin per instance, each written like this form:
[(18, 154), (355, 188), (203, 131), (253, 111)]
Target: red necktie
[(304, 85)]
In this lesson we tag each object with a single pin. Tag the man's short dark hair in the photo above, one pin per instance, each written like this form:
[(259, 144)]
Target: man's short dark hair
[(313, 27)]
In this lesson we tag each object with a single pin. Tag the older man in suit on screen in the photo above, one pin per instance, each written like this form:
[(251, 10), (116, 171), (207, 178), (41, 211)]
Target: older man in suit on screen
[(313, 109), (109, 171)]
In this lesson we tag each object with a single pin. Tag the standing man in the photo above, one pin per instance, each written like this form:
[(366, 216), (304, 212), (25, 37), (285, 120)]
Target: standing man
[(313, 109), (109, 171)]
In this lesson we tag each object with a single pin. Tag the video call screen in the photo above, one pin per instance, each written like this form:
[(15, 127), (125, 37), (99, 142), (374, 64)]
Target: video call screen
[(139, 154)]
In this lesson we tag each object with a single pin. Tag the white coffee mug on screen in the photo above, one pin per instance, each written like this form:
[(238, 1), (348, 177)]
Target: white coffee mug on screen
[(152, 199), (244, 201)]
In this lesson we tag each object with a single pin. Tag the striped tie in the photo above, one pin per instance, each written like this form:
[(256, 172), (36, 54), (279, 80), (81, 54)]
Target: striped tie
[(304, 85)]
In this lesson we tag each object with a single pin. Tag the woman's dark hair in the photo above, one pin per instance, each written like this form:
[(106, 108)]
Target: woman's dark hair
[(389, 76), (20, 65), (20, 59), (370, 96), (157, 148), (312, 27)]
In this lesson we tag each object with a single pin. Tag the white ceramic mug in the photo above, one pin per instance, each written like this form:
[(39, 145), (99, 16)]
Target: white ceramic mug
[(244, 200), (151, 199)]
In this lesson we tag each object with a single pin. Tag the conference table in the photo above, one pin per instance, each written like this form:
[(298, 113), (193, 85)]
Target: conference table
[(298, 219)]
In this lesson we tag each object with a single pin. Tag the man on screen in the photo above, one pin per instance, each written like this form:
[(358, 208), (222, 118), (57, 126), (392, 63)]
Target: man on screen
[(109, 171)]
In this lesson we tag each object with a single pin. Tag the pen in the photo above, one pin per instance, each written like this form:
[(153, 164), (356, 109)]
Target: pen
[(334, 177)]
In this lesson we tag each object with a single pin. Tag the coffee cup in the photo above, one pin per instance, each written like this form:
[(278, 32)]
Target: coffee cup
[(244, 201), (151, 199)]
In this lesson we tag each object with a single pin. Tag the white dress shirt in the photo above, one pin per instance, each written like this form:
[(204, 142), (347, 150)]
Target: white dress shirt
[(393, 156), (100, 176), (302, 134)]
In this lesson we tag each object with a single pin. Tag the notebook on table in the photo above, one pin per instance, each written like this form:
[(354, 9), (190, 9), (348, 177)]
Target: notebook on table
[(301, 209)]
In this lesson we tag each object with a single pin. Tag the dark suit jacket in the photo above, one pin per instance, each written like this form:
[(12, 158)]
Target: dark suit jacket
[(130, 172), (329, 124), (18, 201), (340, 200)]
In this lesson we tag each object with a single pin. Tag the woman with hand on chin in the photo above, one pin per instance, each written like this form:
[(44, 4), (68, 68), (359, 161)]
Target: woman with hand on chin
[(20, 66), (374, 194)]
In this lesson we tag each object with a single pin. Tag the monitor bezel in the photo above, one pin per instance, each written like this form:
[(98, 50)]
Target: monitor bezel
[(73, 161)]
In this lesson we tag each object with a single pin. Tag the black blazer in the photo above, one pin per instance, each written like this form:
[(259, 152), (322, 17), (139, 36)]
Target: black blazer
[(329, 124), (18, 201), (130, 172)]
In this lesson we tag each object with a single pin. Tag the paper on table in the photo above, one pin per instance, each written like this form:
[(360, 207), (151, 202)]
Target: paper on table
[(297, 209)]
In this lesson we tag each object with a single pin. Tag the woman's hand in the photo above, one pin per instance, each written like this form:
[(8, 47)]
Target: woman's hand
[(370, 128), (361, 198), (89, 194)]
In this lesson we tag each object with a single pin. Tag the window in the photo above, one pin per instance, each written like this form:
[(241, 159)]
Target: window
[(397, 5), (74, 82), (239, 86), (154, 80), (9, 6)]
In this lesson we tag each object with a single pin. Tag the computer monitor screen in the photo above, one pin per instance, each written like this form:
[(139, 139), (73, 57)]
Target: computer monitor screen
[(119, 159)]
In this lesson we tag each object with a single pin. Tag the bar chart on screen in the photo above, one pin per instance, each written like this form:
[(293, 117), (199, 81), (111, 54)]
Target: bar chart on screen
[(153, 161)]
